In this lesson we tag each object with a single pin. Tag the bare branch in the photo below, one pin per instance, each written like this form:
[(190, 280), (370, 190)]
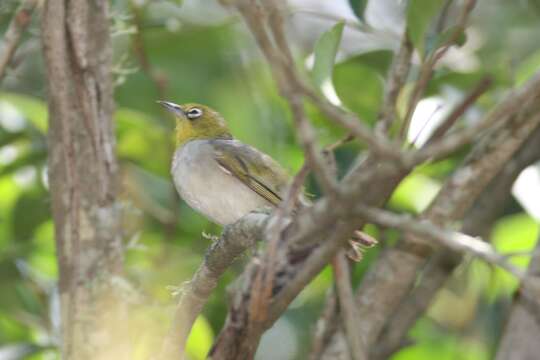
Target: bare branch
[(513, 103), (517, 342), (477, 222), (453, 240), (290, 82), (13, 35), (280, 60), (460, 109), (396, 270), (326, 325), (233, 242), (426, 71), (377, 142), (396, 78), (349, 315)]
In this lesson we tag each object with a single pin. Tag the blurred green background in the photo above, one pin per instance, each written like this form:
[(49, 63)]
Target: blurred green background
[(196, 51)]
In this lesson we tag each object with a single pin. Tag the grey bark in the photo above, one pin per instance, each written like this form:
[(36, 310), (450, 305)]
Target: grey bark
[(521, 337), (83, 175)]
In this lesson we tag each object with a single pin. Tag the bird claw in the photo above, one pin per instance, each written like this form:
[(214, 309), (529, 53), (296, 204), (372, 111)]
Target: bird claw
[(212, 238), (359, 242)]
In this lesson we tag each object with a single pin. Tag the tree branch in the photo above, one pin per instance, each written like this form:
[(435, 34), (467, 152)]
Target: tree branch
[(13, 35), (460, 242), (396, 78), (482, 86), (234, 241), (396, 269), (477, 222), (514, 102), (349, 315), (428, 66)]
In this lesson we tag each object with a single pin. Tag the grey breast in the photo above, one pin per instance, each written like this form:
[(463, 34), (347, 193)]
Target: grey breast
[(207, 187)]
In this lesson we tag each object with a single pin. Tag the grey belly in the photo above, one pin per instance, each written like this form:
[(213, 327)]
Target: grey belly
[(209, 189)]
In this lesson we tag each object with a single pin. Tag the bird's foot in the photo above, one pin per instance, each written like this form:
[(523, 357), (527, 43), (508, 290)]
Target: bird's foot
[(358, 243)]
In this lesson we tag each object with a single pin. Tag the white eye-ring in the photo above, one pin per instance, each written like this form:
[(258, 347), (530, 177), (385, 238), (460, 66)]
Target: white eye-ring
[(194, 113)]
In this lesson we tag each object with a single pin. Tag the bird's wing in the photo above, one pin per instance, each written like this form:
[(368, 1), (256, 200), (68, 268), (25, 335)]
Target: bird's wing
[(255, 169)]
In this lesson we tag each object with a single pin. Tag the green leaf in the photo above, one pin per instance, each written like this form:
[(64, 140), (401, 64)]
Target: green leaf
[(325, 55), (420, 16), (512, 234), (142, 140), (432, 341), (30, 211), (200, 339), (528, 68), (6, 138), (359, 84), (358, 7)]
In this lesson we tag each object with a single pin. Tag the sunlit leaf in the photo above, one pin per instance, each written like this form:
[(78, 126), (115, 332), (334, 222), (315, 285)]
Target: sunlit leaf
[(515, 233), (325, 55), (433, 342), (200, 339), (43, 257), (512, 234), (415, 193), (420, 16)]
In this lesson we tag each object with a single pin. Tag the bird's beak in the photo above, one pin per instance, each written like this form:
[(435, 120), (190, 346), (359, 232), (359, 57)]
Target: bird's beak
[(172, 107)]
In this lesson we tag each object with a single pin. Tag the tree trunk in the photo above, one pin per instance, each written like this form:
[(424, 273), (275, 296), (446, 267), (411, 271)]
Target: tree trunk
[(83, 176)]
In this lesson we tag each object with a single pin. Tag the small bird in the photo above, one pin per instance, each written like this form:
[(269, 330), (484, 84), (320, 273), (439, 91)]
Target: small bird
[(223, 178)]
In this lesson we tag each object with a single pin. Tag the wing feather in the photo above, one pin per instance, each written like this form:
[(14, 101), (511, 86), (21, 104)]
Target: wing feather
[(256, 170)]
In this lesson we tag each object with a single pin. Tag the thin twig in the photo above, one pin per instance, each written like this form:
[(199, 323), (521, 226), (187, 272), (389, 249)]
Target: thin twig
[(21, 20), (480, 88), (279, 60), (344, 140), (349, 315), (326, 325), (477, 222), (426, 71), (377, 142), (396, 78), (512, 104), (289, 81), (453, 240)]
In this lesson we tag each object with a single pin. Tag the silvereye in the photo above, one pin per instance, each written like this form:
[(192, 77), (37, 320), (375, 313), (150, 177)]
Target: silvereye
[(223, 178)]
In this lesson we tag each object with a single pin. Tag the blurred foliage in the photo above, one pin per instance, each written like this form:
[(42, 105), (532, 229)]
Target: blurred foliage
[(191, 51)]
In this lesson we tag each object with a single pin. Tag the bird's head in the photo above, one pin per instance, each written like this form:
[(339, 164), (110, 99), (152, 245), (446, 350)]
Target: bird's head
[(196, 122)]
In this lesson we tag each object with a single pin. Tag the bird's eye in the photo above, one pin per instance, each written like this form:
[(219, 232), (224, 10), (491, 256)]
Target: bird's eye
[(194, 113)]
